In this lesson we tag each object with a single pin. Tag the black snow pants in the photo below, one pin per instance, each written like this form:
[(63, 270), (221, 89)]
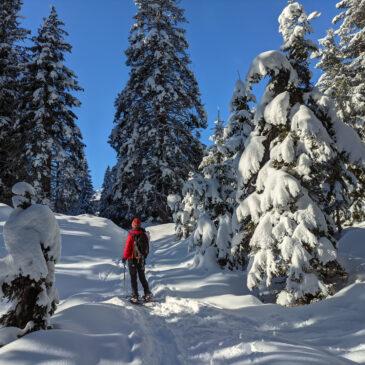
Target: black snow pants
[(137, 267)]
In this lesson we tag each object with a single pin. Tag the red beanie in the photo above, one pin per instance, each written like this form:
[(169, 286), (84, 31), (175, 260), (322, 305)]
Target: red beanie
[(136, 222)]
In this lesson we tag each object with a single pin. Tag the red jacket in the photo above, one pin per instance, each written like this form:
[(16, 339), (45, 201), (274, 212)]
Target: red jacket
[(129, 245)]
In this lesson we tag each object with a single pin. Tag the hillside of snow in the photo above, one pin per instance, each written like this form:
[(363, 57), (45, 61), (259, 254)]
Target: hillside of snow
[(200, 317)]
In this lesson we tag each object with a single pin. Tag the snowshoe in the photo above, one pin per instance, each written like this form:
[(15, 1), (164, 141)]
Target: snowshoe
[(134, 300), (147, 298)]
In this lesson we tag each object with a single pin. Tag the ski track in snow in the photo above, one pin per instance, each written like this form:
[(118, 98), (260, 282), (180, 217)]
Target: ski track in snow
[(200, 317)]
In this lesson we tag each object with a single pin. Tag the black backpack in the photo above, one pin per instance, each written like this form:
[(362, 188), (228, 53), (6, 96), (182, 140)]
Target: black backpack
[(141, 245)]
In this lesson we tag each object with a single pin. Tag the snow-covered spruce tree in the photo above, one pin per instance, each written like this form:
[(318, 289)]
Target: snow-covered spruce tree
[(32, 239), (209, 196), (239, 124), (12, 59), (55, 141), (70, 180), (86, 204), (157, 112), (80, 193), (333, 81), (188, 209), (294, 161), (107, 190), (342, 190), (291, 238), (294, 25), (344, 80), (213, 233), (236, 133), (351, 26)]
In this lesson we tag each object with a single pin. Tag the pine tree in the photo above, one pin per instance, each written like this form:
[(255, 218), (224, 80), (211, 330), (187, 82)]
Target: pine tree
[(107, 193), (217, 199), (85, 194), (235, 136), (209, 197), (69, 176), (333, 81), (86, 205), (293, 163), (344, 80), (190, 207), (216, 202), (239, 124), (294, 25), (157, 112), (12, 60), (351, 22), (54, 150)]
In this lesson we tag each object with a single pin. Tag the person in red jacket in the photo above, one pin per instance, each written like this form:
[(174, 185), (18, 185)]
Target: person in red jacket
[(136, 260)]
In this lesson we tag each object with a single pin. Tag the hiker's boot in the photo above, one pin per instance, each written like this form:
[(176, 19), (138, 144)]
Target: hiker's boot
[(134, 299), (147, 297)]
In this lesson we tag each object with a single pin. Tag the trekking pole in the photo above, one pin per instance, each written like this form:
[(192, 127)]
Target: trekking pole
[(125, 293)]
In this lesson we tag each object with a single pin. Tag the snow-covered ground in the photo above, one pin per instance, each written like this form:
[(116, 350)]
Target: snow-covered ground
[(201, 317)]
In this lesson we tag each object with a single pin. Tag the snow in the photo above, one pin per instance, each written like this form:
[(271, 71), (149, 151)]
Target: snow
[(203, 316), (22, 189), (268, 63), (276, 112), (251, 158), (24, 230)]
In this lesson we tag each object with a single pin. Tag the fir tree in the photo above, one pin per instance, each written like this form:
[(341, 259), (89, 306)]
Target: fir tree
[(191, 206), (69, 175), (343, 80), (236, 134), (156, 114), (107, 189), (218, 199), (54, 150), (216, 202), (209, 197), (333, 81), (294, 25), (12, 60), (85, 194), (351, 22), (86, 205), (293, 162), (239, 124)]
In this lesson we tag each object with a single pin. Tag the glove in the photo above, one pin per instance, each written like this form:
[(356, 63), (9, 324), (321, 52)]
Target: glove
[(124, 260)]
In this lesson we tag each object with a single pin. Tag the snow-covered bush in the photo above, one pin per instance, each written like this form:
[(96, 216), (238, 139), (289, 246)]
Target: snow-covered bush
[(32, 239)]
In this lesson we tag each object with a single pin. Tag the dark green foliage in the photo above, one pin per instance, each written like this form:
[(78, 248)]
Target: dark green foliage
[(156, 114)]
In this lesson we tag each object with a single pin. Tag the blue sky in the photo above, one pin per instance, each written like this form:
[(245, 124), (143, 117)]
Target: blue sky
[(224, 37)]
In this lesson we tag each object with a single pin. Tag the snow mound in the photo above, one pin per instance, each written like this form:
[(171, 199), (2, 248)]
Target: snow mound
[(5, 211)]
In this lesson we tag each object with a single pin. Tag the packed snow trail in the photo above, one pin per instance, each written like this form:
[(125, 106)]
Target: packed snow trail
[(200, 317)]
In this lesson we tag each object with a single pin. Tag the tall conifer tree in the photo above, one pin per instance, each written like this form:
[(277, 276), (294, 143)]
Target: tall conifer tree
[(54, 151), (294, 163), (12, 63), (157, 113), (341, 59)]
